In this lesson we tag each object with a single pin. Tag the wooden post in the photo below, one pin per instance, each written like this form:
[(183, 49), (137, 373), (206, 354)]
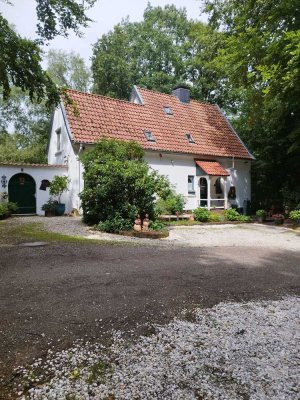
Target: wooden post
[(225, 194)]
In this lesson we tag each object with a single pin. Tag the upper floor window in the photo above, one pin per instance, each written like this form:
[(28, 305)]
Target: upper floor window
[(149, 136), (190, 138), (58, 139)]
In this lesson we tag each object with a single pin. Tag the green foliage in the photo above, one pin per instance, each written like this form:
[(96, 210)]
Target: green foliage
[(213, 217), (6, 209), (58, 186), (157, 226), (201, 214), (260, 55), (20, 61), (231, 215), (160, 52), (68, 69), (171, 204), (295, 215), (50, 205), (261, 213), (118, 183), (115, 224)]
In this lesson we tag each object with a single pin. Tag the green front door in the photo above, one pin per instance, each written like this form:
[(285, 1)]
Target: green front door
[(21, 190)]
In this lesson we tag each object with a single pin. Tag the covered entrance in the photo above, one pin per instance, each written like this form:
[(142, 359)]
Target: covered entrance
[(212, 184), (22, 190)]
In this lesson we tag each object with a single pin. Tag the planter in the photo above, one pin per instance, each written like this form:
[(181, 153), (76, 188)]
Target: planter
[(262, 219), (49, 213), (60, 209)]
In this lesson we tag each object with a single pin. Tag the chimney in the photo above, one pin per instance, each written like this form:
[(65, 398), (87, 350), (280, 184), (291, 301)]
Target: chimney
[(182, 93)]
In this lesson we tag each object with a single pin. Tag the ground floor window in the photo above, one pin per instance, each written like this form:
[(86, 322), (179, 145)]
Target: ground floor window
[(191, 180)]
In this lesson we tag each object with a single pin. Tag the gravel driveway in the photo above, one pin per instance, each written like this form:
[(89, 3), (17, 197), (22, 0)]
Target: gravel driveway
[(239, 338), (241, 235)]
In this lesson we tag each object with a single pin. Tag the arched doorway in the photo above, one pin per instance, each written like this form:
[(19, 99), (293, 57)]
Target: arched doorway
[(21, 190), (203, 192)]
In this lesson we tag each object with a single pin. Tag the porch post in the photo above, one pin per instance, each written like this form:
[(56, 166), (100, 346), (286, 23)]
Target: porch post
[(208, 192), (225, 194)]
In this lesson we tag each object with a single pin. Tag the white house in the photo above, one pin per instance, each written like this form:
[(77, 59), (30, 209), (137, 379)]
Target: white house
[(189, 141)]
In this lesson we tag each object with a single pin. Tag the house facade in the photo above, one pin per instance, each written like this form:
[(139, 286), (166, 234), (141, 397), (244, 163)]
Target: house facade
[(190, 142)]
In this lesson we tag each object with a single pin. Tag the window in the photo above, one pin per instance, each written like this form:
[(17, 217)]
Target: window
[(58, 139), (149, 136), (191, 184), (168, 110), (189, 138)]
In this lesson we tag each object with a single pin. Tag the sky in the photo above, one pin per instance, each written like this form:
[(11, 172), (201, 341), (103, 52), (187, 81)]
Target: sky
[(105, 14)]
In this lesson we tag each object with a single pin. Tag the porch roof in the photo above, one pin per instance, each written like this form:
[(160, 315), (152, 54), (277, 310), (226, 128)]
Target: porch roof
[(212, 168)]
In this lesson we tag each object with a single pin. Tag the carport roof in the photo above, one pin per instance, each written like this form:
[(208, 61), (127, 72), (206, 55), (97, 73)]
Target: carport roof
[(212, 168)]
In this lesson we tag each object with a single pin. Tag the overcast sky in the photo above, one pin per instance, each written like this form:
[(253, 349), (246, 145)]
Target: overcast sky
[(105, 13)]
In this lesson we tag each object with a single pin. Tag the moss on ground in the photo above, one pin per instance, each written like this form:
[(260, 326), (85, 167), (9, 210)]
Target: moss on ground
[(14, 233)]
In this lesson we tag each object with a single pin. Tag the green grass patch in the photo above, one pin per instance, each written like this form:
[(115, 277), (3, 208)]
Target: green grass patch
[(12, 233)]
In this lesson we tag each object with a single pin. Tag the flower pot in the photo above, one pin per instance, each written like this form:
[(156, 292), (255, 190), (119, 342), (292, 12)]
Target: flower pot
[(49, 213), (60, 209)]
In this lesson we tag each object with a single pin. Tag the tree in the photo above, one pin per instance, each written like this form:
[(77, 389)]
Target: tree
[(261, 57), (20, 62), (118, 185), (67, 69), (163, 50), (24, 129)]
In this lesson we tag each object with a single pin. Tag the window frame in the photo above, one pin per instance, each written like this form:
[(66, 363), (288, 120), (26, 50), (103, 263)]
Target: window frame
[(190, 138), (191, 189), (149, 136)]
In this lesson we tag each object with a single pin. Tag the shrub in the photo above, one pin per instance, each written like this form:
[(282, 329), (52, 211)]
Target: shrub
[(295, 215), (157, 226), (171, 204), (6, 209), (213, 217), (261, 213), (202, 214), (115, 224), (244, 218), (118, 185), (231, 215)]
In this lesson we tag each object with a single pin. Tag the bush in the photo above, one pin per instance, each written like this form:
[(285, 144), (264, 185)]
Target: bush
[(202, 214), (295, 215), (213, 217), (157, 226), (118, 185), (115, 224), (6, 209), (261, 213), (231, 215), (171, 204)]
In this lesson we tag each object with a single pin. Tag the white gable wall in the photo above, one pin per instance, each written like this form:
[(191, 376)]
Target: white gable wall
[(68, 156)]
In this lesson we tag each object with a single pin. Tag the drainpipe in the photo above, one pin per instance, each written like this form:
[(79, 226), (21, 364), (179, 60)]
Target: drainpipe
[(81, 148)]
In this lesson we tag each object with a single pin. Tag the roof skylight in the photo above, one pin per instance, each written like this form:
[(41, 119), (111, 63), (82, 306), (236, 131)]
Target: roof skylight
[(149, 136), (190, 138), (168, 110)]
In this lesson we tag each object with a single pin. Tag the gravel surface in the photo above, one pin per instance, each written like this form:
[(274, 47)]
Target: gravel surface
[(249, 235), (231, 351)]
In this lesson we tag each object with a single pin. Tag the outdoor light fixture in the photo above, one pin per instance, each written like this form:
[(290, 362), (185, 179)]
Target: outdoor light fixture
[(3, 181)]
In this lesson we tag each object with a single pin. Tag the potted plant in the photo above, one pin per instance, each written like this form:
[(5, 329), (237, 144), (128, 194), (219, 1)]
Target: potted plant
[(278, 219), (49, 208), (261, 214), (58, 186)]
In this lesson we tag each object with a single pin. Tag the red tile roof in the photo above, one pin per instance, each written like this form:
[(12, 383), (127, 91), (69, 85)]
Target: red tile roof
[(21, 164), (101, 116), (212, 168)]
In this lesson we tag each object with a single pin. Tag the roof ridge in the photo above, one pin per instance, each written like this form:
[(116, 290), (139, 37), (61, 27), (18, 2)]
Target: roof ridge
[(102, 96), (205, 103)]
